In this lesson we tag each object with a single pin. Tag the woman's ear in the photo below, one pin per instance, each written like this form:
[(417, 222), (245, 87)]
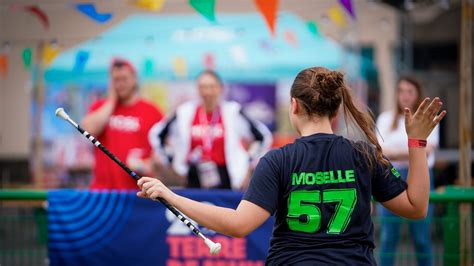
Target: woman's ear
[(293, 106)]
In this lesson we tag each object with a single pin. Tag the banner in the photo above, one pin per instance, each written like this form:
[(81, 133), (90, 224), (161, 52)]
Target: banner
[(257, 99), (117, 228)]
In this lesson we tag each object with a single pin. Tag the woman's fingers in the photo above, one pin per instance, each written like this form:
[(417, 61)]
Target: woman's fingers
[(421, 109), (155, 194), (148, 185), (142, 180), (438, 118), (433, 108), (408, 116)]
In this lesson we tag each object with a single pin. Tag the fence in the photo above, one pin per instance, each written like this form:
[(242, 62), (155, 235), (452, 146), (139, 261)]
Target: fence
[(23, 228)]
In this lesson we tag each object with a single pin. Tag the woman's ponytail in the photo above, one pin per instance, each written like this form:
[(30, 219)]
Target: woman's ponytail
[(367, 125)]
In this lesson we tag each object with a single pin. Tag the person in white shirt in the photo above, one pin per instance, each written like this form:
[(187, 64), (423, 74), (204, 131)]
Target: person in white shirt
[(393, 139), (206, 138)]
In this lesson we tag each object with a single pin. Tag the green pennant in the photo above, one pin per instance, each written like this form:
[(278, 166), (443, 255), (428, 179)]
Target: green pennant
[(27, 57), (149, 68), (313, 28), (205, 8)]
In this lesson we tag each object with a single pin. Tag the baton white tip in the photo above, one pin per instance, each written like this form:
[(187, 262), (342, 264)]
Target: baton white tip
[(61, 113), (214, 248)]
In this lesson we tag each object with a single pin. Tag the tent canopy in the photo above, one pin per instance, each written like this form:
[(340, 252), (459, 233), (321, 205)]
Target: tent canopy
[(239, 45)]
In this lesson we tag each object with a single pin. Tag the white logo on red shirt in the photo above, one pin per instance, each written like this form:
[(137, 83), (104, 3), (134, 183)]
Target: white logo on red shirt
[(124, 123)]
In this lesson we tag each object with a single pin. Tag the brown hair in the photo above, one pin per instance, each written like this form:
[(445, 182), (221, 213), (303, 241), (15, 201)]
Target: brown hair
[(213, 74), (399, 111), (321, 91)]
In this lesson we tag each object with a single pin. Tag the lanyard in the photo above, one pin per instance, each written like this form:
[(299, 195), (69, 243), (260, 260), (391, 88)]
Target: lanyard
[(208, 136)]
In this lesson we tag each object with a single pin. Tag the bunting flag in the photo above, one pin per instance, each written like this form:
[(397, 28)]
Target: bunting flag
[(50, 51), (39, 13), (268, 9), (149, 67), (90, 11), (27, 56), (313, 28), (291, 38), (347, 4), (81, 61), (3, 65), (209, 62), (180, 67), (150, 5), (336, 15), (205, 8)]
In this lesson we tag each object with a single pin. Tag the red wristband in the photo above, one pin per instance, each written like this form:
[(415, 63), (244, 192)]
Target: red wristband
[(416, 143)]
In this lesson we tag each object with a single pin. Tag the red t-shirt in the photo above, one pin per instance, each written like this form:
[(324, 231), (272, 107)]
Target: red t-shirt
[(207, 134), (126, 134)]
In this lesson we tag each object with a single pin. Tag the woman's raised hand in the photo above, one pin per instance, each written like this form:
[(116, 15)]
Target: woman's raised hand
[(425, 119)]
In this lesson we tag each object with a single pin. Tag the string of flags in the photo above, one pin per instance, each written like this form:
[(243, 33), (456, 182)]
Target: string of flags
[(268, 9)]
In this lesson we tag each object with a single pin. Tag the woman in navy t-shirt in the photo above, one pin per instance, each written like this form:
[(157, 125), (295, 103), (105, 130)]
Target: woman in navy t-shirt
[(319, 188)]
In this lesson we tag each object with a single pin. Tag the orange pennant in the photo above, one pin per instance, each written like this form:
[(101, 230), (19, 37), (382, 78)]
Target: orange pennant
[(3, 65), (291, 38), (268, 9)]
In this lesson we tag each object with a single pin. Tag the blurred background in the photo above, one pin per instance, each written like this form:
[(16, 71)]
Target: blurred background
[(53, 54), (56, 53)]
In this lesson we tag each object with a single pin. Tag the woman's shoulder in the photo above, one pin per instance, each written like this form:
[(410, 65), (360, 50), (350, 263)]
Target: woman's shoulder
[(278, 154)]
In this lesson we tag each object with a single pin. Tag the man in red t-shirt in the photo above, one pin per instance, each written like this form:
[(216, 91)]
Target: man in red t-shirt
[(121, 123)]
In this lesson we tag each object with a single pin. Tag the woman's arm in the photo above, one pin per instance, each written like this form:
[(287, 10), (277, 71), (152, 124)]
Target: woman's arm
[(237, 223), (413, 202)]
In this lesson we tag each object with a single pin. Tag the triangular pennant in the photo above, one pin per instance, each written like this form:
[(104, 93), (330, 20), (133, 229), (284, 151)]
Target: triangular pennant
[(205, 8), (39, 13), (336, 15), (90, 11), (27, 56), (313, 28), (151, 5), (180, 67), (347, 4), (208, 61), (291, 38), (3, 65), (268, 9), (149, 67), (49, 53), (81, 60)]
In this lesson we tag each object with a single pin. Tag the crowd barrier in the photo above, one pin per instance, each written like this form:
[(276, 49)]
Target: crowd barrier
[(77, 227)]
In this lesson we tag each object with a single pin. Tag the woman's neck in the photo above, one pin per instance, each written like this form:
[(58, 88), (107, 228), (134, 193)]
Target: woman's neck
[(315, 125), (209, 108)]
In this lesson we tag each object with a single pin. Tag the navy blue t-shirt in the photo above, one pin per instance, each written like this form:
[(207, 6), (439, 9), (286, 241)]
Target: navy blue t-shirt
[(319, 188)]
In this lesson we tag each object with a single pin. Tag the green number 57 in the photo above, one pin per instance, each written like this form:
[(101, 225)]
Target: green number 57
[(305, 216)]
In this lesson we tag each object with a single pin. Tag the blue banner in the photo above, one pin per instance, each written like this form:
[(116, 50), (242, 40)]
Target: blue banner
[(117, 228)]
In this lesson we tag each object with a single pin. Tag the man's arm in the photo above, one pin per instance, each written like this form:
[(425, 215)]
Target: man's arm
[(95, 121)]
